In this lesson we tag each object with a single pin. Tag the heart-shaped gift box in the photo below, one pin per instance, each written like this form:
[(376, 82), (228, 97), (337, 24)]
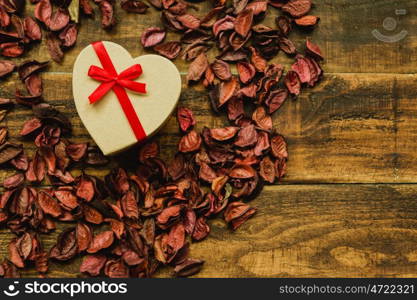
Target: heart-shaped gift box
[(107, 120)]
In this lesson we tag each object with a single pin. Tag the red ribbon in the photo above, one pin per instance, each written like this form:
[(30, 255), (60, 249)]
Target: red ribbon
[(118, 83)]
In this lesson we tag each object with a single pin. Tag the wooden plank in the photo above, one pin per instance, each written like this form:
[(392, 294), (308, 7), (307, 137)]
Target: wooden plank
[(350, 128), (344, 33), (332, 230)]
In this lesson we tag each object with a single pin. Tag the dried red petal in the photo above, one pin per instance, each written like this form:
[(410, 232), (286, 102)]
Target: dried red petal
[(313, 50), (257, 60), (68, 36), (49, 205), (221, 69), (190, 142), (292, 82), (101, 241), (84, 236), (243, 22), (227, 90), (67, 199), (85, 189), (242, 172), (169, 49), (297, 8), (267, 170), (247, 136), (262, 119), (107, 14), (30, 126), (197, 68), (43, 11), (189, 21), (279, 147), (6, 67), (284, 25), (188, 268), (77, 151), (58, 20), (11, 49), (201, 230), (223, 134), (93, 264), (13, 181), (287, 46), (185, 118), (307, 21), (276, 99), (152, 36), (246, 71), (54, 47), (129, 205), (134, 6)]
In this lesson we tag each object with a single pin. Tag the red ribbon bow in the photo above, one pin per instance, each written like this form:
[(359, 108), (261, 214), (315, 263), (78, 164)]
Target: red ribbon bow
[(118, 82)]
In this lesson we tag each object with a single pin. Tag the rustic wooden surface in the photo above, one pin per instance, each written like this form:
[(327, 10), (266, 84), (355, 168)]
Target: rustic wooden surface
[(347, 207)]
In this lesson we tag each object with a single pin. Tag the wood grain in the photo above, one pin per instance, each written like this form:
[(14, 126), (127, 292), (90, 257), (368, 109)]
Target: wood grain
[(334, 230), (358, 129), (350, 128)]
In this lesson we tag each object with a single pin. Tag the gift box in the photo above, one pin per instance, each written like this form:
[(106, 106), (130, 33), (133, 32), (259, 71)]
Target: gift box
[(123, 100)]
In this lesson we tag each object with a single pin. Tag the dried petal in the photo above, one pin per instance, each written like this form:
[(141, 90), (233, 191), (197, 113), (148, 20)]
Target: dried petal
[(189, 21), (8, 151), (169, 49), (242, 172), (101, 241), (243, 22), (279, 147), (134, 6), (197, 68), (188, 268), (201, 230), (30, 126), (313, 50), (292, 82), (267, 170), (247, 136), (190, 142), (93, 264), (227, 90), (262, 119), (107, 14), (185, 118), (58, 20), (6, 67), (54, 47), (297, 8), (49, 205), (221, 69), (246, 71), (223, 134), (13, 181), (276, 99), (152, 36), (43, 11), (84, 236), (307, 21), (77, 151), (68, 36)]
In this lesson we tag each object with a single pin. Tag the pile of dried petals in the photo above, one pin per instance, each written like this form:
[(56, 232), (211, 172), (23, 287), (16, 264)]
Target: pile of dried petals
[(133, 221), (58, 19)]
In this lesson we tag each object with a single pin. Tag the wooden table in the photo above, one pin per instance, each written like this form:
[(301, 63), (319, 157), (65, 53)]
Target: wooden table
[(348, 206)]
